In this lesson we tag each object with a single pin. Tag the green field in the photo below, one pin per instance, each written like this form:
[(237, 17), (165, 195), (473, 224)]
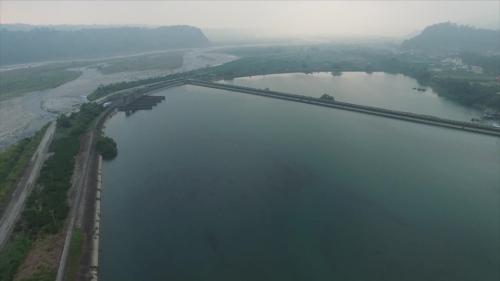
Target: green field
[(20, 81), (164, 61)]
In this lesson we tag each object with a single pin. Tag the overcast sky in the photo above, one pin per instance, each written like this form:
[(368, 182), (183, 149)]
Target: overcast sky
[(355, 18)]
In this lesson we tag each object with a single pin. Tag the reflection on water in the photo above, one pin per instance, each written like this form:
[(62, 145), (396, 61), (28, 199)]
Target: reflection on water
[(393, 91), (215, 185)]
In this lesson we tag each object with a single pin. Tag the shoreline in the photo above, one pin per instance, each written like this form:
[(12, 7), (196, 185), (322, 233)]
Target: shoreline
[(87, 212), (92, 217)]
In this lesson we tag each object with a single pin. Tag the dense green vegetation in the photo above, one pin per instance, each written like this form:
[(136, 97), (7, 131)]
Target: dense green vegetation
[(290, 59), (327, 97), (106, 146), (13, 162), (468, 92), (326, 57), (43, 44), (164, 61), (20, 81), (46, 208), (13, 254)]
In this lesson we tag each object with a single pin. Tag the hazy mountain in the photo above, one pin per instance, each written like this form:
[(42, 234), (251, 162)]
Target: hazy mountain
[(17, 27), (49, 44), (448, 37), (65, 27)]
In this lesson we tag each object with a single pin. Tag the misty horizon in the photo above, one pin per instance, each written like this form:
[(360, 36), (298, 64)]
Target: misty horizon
[(282, 19)]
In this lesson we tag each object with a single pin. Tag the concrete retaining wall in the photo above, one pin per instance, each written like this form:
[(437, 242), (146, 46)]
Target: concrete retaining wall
[(96, 235)]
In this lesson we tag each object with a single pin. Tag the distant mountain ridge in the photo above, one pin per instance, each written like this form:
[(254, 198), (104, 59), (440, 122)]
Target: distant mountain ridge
[(49, 44), (449, 37)]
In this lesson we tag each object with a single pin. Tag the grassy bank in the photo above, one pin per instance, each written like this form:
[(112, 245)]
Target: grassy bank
[(13, 161), (75, 254), (47, 208)]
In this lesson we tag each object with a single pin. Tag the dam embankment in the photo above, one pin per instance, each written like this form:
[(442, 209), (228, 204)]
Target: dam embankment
[(125, 97), (406, 116)]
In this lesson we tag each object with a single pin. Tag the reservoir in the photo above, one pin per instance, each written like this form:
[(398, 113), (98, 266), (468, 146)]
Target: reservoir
[(216, 185), (379, 89)]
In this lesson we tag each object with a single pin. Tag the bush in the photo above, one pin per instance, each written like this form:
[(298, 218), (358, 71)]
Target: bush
[(107, 147), (12, 255), (327, 97)]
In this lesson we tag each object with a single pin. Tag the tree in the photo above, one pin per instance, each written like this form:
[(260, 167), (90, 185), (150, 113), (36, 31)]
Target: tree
[(63, 121), (327, 97), (106, 147)]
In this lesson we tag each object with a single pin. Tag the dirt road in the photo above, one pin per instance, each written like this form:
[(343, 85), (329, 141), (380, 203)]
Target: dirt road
[(82, 180), (25, 186)]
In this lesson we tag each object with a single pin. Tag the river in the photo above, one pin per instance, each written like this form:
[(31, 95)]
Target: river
[(22, 116), (216, 185)]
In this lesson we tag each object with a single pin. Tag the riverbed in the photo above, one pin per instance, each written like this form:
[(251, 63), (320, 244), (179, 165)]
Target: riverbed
[(22, 116)]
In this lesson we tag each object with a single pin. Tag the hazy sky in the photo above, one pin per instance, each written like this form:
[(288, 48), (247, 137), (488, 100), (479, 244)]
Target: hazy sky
[(354, 18)]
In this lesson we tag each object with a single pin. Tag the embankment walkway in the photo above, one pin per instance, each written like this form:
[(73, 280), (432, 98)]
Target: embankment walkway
[(125, 97), (400, 115)]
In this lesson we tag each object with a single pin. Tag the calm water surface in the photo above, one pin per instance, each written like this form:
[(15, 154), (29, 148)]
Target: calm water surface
[(393, 91), (215, 185)]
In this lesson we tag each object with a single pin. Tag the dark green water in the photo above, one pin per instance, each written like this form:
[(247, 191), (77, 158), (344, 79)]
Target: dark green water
[(214, 185)]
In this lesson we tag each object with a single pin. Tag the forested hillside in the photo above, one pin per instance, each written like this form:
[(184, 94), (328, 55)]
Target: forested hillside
[(50, 44), (448, 37)]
